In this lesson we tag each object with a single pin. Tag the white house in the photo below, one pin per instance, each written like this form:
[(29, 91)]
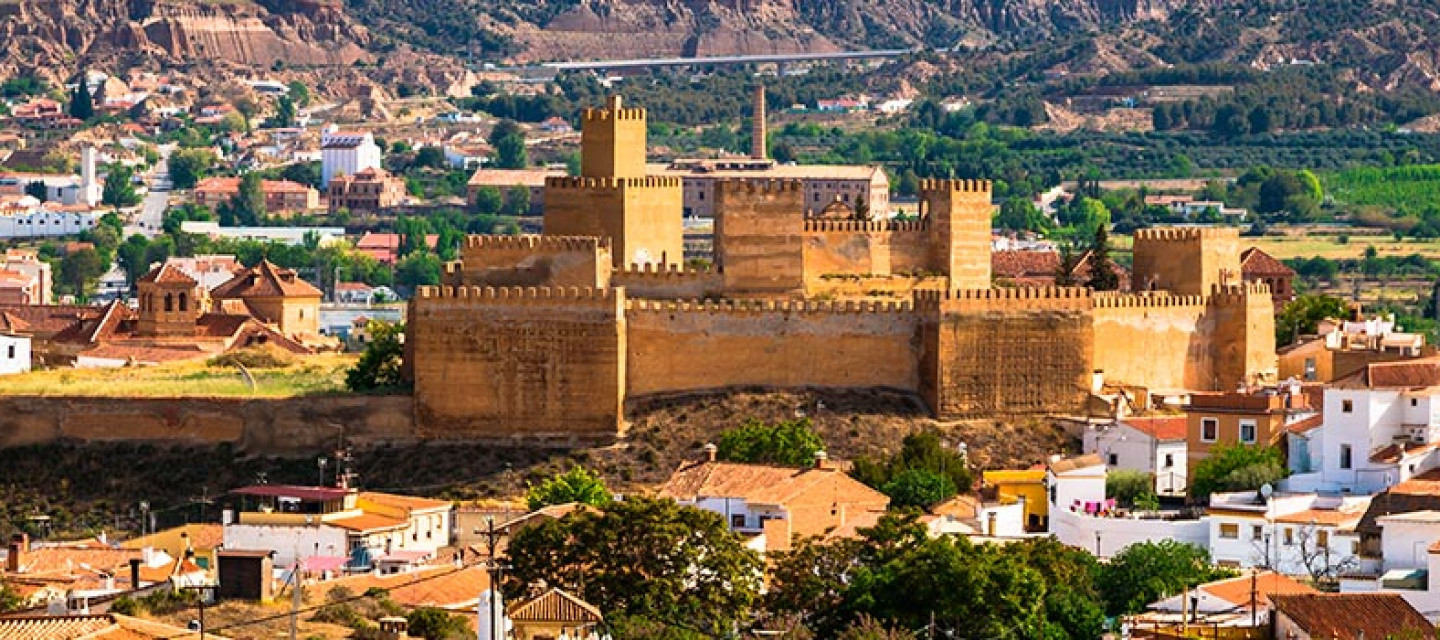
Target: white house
[(1295, 534), (1152, 445), (346, 153), (1381, 426), (14, 354), (1409, 564), (339, 526), (27, 217), (1075, 484)]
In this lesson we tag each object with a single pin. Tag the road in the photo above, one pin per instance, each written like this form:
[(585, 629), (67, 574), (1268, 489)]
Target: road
[(639, 63), (152, 212)]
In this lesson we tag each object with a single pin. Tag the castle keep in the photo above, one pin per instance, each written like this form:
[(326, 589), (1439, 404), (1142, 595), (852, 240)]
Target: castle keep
[(548, 336)]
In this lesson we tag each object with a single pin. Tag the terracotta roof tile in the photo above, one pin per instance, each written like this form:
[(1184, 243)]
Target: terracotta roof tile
[(403, 502), (1308, 424), (757, 483), (1076, 463), (48, 320), (1253, 261), (554, 606), (1327, 517), (368, 522), (1350, 616), (1160, 427), (430, 587), (1267, 583), (1422, 372), (168, 273), (265, 280)]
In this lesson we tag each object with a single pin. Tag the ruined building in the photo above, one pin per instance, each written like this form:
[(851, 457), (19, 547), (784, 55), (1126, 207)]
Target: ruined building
[(548, 336)]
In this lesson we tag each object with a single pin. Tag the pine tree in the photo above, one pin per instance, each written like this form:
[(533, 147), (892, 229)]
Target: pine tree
[(1102, 273), (82, 104)]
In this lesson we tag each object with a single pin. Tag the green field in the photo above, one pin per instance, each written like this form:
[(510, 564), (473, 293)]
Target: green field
[(1307, 246), (311, 375), (1411, 188)]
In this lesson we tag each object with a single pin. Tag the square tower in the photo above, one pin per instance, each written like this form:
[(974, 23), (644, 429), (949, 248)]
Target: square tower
[(959, 213), (612, 141), (1188, 261)]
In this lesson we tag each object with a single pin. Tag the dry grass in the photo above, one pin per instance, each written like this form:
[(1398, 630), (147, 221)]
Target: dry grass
[(312, 375), (1328, 246)]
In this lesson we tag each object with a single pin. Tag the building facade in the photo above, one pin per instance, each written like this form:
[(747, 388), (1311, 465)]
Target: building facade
[(372, 189), (344, 153)]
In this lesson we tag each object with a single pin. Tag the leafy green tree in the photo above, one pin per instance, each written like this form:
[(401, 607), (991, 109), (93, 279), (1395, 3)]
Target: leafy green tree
[(418, 269), (1019, 214), (1102, 274), (922, 450), (247, 206), (307, 173), (488, 201), (36, 190), (284, 115), (131, 255), (919, 488), (510, 152), (10, 599), (576, 485), (119, 190), (82, 104), (189, 166), (80, 269), (517, 201), (791, 443), (652, 560), (1236, 467), (1147, 571), (431, 157), (447, 245), (1302, 316), (1128, 487), (299, 93), (433, 623), (379, 367)]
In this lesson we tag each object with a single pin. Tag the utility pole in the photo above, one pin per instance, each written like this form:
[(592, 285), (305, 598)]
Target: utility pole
[(201, 590), (295, 599), (1254, 613), (494, 569)]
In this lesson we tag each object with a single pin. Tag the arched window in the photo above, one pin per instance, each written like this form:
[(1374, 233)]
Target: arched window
[(169, 303), (183, 304)]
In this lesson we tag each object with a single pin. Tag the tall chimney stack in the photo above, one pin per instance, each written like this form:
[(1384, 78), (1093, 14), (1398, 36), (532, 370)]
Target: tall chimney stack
[(757, 125)]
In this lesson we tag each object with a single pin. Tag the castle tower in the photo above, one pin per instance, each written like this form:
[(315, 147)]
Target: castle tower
[(612, 142), (1186, 261), (170, 302), (613, 198), (959, 212), (757, 125)]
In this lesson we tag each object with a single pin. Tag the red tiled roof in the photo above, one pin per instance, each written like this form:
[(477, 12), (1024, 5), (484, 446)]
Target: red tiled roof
[(1350, 616), (368, 522), (265, 280), (1255, 262), (437, 587), (1327, 517), (1307, 424), (168, 273), (1160, 427), (1267, 584), (1424, 372), (758, 483)]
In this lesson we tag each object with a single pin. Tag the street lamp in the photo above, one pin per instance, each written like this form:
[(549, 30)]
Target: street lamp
[(321, 462), (144, 515), (1097, 544)]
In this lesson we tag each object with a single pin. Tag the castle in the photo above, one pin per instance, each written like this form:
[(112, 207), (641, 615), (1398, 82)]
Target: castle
[(549, 335)]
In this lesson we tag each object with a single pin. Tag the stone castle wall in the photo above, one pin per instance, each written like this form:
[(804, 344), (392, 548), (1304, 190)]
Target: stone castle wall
[(1005, 351), (261, 426), (532, 261), (512, 362), (759, 236), (707, 345), (672, 283), (851, 247), (640, 215), (1156, 340)]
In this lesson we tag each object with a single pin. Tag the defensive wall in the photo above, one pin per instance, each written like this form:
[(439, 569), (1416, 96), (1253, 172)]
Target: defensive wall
[(261, 425), (671, 282), (1185, 260), (530, 261), (639, 214), (493, 362), (708, 344)]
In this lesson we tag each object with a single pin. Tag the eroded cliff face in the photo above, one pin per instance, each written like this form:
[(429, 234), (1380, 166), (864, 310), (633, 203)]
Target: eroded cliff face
[(49, 36)]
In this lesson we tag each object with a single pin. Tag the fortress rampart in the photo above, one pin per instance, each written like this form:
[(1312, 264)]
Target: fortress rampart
[(914, 307)]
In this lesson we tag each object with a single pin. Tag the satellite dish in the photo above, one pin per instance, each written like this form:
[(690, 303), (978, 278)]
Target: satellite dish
[(1266, 491)]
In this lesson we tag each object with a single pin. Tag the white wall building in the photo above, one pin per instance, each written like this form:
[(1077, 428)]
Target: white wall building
[(346, 153), (1381, 427), (27, 217), (1295, 534), (1153, 445), (1410, 562), (14, 354)]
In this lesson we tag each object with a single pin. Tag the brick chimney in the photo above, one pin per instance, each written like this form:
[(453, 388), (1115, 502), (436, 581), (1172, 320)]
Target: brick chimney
[(821, 460), (710, 451), (19, 546), (757, 125)]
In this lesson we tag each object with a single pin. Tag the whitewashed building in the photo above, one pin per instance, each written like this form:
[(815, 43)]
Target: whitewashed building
[(1151, 445), (14, 354), (345, 153), (1295, 534)]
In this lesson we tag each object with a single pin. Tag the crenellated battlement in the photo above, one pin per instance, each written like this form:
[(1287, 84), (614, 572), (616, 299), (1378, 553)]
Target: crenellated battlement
[(1019, 299), (537, 243), (750, 306), (601, 114), (521, 296), (751, 185), (866, 226), (1116, 300), (957, 186), (656, 269), (1240, 293), (1012, 293), (582, 182), (1184, 234)]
